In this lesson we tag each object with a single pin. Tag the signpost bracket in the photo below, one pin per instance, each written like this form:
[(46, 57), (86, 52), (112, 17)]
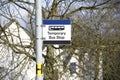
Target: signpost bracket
[(42, 25)]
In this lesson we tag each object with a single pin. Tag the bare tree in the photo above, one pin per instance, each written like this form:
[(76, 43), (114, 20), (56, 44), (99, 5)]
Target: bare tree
[(95, 30)]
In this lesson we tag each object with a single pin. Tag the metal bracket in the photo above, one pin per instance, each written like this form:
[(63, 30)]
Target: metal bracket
[(42, 25), (43, 38)]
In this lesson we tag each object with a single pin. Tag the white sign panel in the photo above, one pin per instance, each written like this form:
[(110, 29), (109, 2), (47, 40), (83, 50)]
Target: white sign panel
[(57, 31)]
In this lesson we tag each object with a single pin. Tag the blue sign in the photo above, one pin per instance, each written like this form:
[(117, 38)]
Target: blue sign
[(53, 22), (72, 67)]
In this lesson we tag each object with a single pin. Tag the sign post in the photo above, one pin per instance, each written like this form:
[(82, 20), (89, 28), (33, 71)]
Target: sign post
[(57, 32), (38, 40)]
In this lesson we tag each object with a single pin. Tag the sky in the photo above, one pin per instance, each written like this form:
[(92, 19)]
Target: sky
[(11, 9), (21, 15)]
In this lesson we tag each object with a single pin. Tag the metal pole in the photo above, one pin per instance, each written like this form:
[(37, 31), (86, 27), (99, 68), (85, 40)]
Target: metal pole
[(39, 41)]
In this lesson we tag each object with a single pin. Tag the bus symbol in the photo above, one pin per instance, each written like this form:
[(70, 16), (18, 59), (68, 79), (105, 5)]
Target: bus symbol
[(52, 28)]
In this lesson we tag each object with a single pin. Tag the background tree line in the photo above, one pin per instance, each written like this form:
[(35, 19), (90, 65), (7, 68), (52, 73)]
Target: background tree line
[(95, 30)]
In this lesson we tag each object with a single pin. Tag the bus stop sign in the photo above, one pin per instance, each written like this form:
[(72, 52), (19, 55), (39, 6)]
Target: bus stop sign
[(56, 32)]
